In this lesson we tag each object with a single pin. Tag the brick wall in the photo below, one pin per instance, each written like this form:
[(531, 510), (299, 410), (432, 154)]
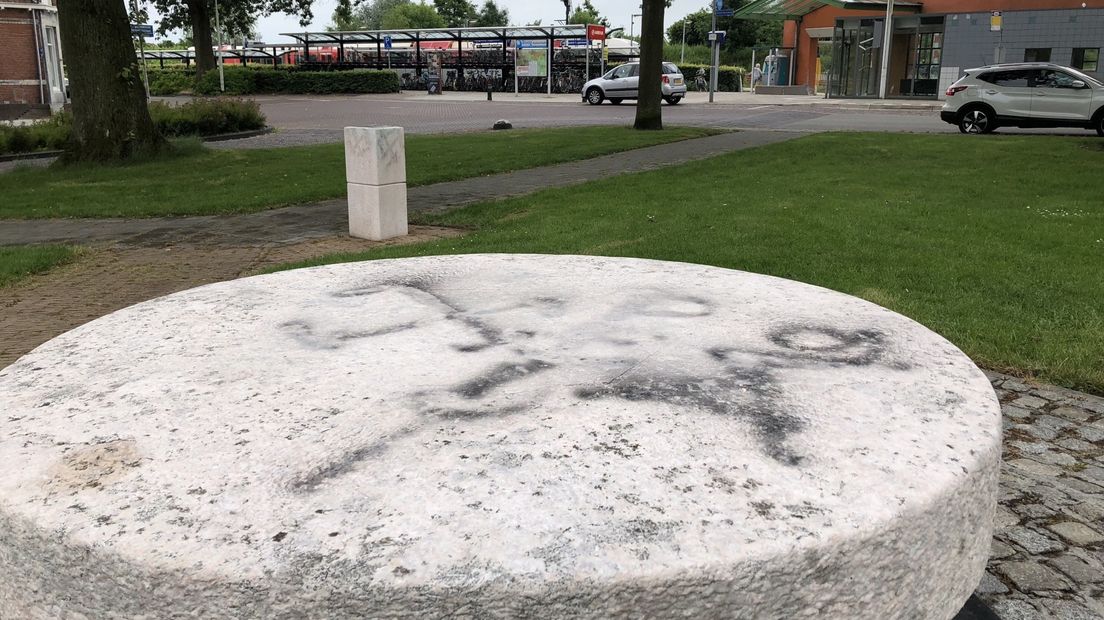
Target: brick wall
[(19, 54)]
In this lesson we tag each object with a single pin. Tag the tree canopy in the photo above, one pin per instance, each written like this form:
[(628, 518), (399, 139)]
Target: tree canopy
[(587, 14), (410, 16), (492, 15), (363, 16), (742, 33), (456, 13)]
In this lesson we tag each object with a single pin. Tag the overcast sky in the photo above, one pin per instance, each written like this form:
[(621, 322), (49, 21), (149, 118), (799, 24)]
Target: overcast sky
[(521, 11)]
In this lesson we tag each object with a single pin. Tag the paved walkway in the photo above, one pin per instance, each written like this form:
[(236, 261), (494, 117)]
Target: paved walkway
[(329, 218)]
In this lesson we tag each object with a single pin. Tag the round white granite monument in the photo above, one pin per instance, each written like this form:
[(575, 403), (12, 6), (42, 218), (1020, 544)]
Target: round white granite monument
[(496, 436)]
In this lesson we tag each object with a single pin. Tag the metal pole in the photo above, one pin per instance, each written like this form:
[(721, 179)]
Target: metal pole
[(887, 42), (682, 55), (218, 30), (145, 71), (716, 54), (751, 80), (587, 54), (548, 65)]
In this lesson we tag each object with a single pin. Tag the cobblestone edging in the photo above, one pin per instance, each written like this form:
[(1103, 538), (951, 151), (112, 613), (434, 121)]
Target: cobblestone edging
[(1047, 557)]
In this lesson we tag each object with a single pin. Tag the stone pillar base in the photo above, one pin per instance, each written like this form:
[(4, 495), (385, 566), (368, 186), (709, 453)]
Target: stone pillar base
[(377, 212)]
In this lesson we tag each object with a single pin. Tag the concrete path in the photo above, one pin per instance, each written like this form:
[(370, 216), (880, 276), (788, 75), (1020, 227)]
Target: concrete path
[(312, 221)]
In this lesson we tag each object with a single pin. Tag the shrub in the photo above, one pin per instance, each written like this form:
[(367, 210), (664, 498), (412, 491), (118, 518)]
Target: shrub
[(171, 81), (265, 80), (727, 77), (46, 135), (204, 117), (207, 117)]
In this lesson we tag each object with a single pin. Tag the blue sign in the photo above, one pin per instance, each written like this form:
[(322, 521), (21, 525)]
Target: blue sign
[(387, 41), (719, 5), (144, 30), (725, 12), (532, 44), (577, 42)]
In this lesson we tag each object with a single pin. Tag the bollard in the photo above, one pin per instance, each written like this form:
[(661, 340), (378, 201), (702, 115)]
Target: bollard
[(375, 171)]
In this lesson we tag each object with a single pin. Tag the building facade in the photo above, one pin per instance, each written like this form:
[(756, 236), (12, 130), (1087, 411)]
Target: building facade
[(31, 70), (837, 45)]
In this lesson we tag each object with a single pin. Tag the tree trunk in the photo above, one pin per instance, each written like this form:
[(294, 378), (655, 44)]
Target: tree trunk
[(649, 114), (110, 117), (201, 36)]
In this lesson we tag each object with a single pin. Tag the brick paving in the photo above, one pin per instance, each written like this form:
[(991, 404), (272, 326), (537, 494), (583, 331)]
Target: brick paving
[(1047, 557)]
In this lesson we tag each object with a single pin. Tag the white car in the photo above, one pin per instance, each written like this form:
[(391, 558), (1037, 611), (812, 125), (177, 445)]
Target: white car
[(623, 82), (1024, 95)]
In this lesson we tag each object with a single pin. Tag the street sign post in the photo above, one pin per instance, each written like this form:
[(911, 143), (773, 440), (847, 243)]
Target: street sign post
[(142, 31)]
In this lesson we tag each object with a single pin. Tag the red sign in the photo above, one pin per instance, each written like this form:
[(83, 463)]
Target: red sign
[(596, 32)]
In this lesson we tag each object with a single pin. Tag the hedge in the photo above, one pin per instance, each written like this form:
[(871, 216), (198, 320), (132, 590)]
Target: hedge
[(250, 81), (728, 78), (195, 118)]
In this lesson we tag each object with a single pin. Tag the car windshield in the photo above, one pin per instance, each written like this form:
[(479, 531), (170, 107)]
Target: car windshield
[(669, 67)]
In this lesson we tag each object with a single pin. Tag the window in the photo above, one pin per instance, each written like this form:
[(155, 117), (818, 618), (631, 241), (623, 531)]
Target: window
[(1008, 79), (623, 71), (1048, 78), (925, 56), (670, 68), (1086, 59), (1037, 54)]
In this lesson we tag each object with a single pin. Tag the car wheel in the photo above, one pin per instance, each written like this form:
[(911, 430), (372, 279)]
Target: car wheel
[(616, 101), (594, 96), (1100, 125), (673, 100), (975, 121)]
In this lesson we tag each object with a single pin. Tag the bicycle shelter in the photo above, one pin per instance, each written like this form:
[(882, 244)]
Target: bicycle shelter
[(476, 58)]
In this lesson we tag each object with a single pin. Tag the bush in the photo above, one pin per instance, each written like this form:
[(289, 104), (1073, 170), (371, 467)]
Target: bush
[(47, 135), (265, 80), (205, 117), (728, 78), (171, 81)]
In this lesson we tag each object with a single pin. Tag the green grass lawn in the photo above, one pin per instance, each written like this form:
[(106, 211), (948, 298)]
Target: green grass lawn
[(995, 242), (18, 262), (201, 182)]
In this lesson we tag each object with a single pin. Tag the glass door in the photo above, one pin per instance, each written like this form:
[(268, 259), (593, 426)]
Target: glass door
[(855, 59)]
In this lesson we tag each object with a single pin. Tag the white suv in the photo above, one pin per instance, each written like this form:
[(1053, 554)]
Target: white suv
[(1024, 95)]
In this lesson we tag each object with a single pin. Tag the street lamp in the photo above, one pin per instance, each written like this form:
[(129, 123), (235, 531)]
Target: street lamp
[(632, 22)]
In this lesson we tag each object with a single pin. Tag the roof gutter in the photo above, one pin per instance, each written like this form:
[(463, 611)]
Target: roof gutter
[(26, 6)]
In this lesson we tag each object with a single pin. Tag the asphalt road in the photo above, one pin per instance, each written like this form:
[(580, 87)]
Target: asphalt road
[(430, 115)]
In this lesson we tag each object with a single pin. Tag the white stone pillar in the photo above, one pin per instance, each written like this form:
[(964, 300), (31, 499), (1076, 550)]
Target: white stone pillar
[(375, 168)]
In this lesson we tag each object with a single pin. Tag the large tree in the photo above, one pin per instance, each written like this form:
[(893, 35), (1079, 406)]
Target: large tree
[(492, 15), (456, 13), (412, 16), (649, 114), (110, 118), (237, 17)]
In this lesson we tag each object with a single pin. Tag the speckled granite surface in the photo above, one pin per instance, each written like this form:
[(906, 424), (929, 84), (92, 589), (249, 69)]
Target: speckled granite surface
[(497, 435)]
